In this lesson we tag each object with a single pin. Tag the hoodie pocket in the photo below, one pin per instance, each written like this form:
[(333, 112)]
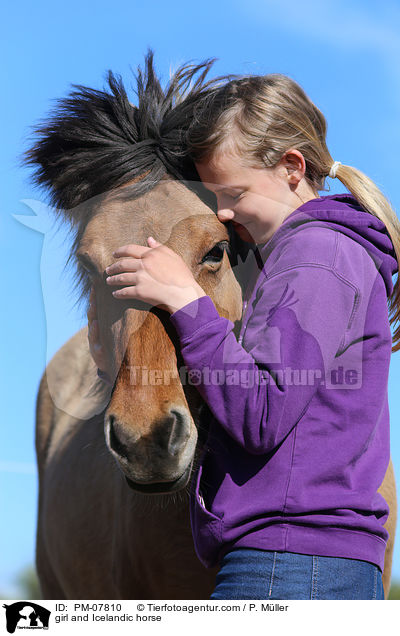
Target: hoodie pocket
[(206, 527), (200, 499)]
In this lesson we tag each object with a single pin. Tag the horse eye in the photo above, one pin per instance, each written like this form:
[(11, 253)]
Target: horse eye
[(86, 264), (216, 254)]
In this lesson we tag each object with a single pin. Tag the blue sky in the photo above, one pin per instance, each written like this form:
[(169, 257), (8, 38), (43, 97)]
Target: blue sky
[(344, 54)]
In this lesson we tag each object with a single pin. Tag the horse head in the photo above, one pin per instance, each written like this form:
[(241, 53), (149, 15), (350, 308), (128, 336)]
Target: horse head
[(118, 173)]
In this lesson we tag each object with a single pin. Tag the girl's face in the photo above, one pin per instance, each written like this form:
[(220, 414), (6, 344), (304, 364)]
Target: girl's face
[(256, 200)]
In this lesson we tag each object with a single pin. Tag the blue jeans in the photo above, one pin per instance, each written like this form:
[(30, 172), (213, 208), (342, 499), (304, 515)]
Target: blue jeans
[(247, 573)]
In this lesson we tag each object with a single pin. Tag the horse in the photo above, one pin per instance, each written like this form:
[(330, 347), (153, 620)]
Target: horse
[(115, 462)]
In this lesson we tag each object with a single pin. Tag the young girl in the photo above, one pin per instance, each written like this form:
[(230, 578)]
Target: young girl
[(285, 497)]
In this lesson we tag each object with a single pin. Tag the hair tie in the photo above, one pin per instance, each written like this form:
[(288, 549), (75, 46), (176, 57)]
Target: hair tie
[(333, 170)]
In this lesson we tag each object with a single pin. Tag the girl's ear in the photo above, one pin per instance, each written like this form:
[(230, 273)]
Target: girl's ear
[(295, 165), (294, 160)]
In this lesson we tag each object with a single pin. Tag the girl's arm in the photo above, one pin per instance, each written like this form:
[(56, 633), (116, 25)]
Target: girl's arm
[(297, 327)]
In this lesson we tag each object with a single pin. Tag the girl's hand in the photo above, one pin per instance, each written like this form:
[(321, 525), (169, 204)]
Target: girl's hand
[(95, 347), (154, 274)]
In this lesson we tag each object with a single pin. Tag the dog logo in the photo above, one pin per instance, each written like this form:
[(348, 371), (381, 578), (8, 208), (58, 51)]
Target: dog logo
[(26, 615)]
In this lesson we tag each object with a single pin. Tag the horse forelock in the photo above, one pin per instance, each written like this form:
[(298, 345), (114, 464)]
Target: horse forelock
[(94, 141)]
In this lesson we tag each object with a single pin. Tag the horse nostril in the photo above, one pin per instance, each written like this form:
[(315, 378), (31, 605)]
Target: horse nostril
[(179, 431), (115, 444), (169, 437)]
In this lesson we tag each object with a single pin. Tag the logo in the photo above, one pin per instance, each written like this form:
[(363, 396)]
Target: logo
[(26, 615)]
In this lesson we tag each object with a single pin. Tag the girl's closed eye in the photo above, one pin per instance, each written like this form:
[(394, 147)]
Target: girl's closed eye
[(233, 196), (237, 197)]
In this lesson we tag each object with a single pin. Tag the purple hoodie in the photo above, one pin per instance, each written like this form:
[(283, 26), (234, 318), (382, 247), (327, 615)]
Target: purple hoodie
[(299, 441)]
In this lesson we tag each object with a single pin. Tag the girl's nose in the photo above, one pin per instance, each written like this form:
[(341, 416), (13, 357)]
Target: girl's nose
[(225, 214)]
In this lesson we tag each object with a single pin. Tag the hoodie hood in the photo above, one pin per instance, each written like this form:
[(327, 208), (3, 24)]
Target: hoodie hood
[(343, 213)]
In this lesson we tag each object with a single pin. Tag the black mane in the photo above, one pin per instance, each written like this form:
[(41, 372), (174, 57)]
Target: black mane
[(95, 141)]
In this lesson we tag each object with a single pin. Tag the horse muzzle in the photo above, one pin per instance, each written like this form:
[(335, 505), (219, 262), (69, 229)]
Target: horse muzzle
[(154, 458)]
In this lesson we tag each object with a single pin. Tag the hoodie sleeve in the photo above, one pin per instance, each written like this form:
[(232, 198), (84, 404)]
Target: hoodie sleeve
[(259, 392)]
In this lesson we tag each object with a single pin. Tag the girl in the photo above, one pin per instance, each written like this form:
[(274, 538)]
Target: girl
[(285, 497)]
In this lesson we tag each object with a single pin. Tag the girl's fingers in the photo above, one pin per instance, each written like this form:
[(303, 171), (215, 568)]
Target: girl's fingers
[(124, 265), (126, 292), (128, 278), (152, 242), (136, 251)]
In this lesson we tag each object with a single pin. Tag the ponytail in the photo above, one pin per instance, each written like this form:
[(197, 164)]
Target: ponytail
[(373, 201), (259, 118)]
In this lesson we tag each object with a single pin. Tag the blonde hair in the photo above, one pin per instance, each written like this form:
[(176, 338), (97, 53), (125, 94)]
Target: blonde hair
[(259, 118)]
